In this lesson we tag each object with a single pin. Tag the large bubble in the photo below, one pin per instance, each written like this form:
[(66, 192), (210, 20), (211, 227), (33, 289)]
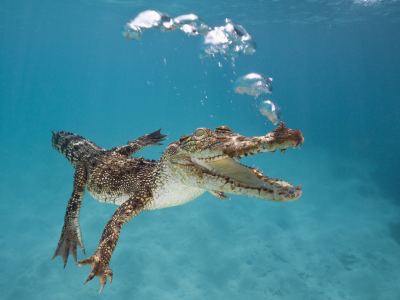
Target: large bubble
[(229, 40), (272, 111), (253, 84), (192, 24), (149, 19)]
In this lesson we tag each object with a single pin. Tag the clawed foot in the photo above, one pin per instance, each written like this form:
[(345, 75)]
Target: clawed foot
[(69, 241), (99, 269), (151, 139)]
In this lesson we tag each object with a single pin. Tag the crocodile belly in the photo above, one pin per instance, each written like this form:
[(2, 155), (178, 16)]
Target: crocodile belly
[(173, 197)]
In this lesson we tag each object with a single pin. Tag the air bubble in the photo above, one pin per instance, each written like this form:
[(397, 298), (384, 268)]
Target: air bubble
[(192, 24), (253, 84), (132, 32), (272, 111), (229, 40), (149, 19)]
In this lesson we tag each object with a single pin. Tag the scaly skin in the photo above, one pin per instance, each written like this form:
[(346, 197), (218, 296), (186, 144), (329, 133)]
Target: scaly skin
[(200, 162)]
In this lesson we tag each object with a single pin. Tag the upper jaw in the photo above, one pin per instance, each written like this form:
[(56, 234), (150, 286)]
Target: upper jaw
[(240, 146)]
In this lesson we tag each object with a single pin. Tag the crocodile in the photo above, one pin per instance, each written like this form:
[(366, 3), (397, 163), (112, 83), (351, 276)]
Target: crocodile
[(204, 161)]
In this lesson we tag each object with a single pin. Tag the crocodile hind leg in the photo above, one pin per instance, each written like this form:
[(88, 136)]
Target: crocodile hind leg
[(100, 260), (71, 237)]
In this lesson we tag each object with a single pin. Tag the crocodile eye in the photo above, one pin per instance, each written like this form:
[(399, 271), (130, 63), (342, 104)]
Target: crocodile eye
[(200, 133)]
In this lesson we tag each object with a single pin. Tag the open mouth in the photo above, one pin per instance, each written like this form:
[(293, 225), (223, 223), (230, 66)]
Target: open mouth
[(239, 179), (216, 166)]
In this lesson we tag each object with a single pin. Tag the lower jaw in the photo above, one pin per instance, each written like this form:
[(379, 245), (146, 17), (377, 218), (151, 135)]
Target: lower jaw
[(266, 193)]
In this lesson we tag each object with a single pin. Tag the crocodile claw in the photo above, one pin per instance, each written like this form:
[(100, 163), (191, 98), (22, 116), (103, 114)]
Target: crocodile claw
[(68, 243), (152, 139), (99, 269)]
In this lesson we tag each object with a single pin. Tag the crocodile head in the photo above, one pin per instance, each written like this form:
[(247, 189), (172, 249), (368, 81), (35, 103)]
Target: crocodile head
[(209, 159)]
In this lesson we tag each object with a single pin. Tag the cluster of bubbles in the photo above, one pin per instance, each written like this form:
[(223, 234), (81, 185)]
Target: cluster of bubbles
[(229, 40), (254, 84)]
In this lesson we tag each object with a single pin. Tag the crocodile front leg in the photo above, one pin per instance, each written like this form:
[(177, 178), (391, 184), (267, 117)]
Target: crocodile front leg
[(100, 260), (149, 140), (71, 237)]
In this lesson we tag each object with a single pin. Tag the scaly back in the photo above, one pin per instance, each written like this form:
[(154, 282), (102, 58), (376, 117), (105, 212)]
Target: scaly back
[(73, 147)]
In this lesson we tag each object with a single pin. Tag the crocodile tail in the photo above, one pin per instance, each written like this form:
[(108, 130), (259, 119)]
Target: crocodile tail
[(73, 147)]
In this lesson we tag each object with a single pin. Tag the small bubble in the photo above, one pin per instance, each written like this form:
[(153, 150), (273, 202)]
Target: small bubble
[(131, 32), (272, 111)]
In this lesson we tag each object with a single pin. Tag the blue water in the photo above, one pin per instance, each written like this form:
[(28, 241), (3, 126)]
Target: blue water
[(64, 65)]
